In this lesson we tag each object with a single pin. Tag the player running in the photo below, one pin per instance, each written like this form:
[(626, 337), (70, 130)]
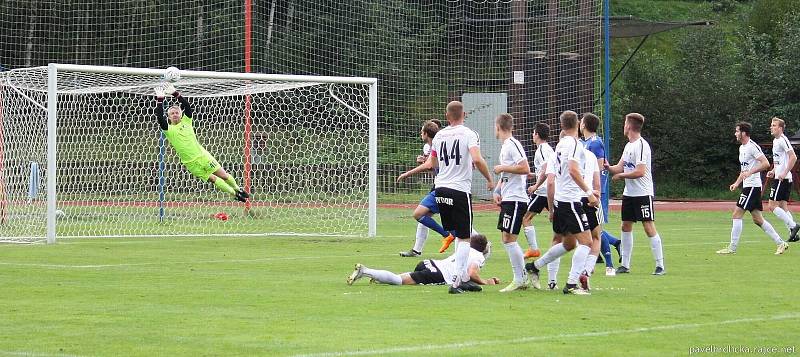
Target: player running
[(565, 185), (783, 160), (434, 272), (752, 162), (179, 131), (427, 207)]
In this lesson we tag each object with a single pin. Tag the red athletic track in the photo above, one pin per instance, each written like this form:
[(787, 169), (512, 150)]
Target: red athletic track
[(481, 206), (671, 206)]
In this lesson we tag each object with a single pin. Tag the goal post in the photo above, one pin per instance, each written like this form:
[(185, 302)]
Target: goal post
[(312, 142)]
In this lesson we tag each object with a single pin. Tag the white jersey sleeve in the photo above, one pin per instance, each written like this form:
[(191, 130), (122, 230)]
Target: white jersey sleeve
[(748, 158), (448, 265), (638, 153), (780, 155), (589, 169), (426, 149), (542, 157)]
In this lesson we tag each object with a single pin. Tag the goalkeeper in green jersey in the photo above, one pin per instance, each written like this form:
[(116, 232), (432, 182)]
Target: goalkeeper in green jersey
[(179, 131)]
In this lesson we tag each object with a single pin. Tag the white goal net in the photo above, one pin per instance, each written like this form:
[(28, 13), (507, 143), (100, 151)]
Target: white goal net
[(303, 146)]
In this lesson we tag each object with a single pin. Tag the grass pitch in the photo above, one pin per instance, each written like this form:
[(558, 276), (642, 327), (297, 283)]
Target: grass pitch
[(287, 296)]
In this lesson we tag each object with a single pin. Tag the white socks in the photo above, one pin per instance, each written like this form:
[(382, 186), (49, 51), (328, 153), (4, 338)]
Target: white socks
[(591, 261), (383, 276), (552, 270), (517, 261), (655, 246), (771, 232), (554, 252), (785, 216), (462, 255), (578, 263), (530, 235), (627, 248), (736, 232), (422, 236)]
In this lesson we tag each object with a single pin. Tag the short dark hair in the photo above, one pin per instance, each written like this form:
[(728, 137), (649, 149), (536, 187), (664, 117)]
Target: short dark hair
[(455, 109), (744, 127), (543, 130), (430, 128), (478, 242), (437, 122), (569, 120), (505, 121), (590, 122), (636, 121)]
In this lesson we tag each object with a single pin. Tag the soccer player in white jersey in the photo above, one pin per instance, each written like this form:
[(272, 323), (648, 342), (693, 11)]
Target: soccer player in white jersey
[(564, 190), (433, 272), (783, 160), (538, 200), (427, 207), (454, 150), (752, 161), (637, 198), (510, 194), (590, 172)]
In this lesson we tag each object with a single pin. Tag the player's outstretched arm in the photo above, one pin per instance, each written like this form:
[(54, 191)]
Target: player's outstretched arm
[(474, 275), (615, 169), (425, 166), (160, 117)]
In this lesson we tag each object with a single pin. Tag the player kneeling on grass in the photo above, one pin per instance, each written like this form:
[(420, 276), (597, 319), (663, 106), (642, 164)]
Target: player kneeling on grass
[(436, 272), (179, 131)]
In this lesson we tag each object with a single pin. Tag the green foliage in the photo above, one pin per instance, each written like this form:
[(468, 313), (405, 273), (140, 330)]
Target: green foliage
[(709, 79)]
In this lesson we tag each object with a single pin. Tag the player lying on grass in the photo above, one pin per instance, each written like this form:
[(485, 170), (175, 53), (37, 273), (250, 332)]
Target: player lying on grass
[(436, 272), (178, 128)]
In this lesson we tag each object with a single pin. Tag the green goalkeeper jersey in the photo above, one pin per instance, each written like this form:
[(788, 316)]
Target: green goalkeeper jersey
[(183, 139)]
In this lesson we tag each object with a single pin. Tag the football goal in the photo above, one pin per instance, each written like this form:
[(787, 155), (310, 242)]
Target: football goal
[(82, 154)]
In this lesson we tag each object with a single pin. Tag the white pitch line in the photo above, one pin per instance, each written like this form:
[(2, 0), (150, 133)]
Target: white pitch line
[(456, 346), (33, 354), (98, 266)]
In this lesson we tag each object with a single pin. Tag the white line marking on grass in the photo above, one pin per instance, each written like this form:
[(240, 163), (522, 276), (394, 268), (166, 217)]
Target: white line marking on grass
[(456, 346), (98, 266), (34, 354)]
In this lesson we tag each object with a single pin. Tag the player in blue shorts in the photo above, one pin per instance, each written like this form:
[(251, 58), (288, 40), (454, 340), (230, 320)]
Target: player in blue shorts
[(589, 124), (427, 207)]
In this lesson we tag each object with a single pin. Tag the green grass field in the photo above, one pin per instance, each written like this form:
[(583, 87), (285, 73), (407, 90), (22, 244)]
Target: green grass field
[(287, 296)]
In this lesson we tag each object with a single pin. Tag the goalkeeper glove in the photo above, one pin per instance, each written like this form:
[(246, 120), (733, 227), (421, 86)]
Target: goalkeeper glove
[(160, 92), (170, 89)]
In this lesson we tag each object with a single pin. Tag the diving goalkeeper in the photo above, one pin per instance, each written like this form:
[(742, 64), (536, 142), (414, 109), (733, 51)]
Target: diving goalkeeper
[(179, 131)]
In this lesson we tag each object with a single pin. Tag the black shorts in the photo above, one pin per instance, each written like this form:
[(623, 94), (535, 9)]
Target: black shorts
[(592, 216), (780, 191), (569, 218), (427, 273), (455, 210), (537, 204), (638, 209), (750, 199), (511, 213)]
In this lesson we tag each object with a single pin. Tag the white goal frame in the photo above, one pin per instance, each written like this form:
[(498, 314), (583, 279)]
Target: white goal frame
[(52, 112)]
